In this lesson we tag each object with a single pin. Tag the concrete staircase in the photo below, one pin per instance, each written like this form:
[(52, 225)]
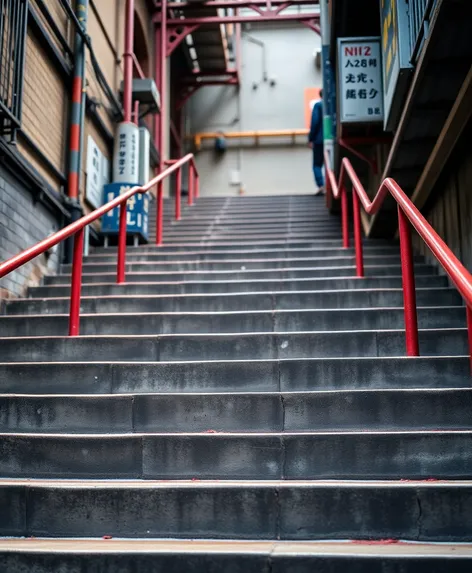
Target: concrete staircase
[(241, 404)]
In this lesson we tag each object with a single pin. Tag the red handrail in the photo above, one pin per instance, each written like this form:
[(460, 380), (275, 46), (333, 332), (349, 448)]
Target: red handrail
[(77, 229), (193, 186), (407, 213)]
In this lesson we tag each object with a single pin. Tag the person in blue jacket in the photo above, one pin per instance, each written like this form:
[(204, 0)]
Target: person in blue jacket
[(315, 141)]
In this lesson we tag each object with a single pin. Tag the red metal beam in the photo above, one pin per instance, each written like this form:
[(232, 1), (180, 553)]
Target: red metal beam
[(267, 17), (177, 35), (236, 4)]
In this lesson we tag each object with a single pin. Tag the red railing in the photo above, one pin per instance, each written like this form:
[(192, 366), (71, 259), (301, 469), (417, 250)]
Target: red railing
[(193, 185), (76, 229), (193, 191), (407, 213)]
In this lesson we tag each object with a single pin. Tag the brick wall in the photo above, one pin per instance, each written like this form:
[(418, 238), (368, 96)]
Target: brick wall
[(23, 224), (45, 108)]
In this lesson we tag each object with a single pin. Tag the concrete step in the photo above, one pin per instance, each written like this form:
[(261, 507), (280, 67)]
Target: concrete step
[(252, 456), (280, 321), (287, 375), (239, 510), (260, 223), (202, 556), (349, 410), (225, 254), (234, 286), (91, 267), (181, 236), (246, 245), (244, 274), (257, 346), (249, 219), (235, 301)]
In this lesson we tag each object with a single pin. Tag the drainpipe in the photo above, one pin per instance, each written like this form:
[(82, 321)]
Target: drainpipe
[(161, 118), (77, 120), (128, 61)]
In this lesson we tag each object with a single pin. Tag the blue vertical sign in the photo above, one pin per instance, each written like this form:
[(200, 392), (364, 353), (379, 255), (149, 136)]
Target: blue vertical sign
[(395, 57), (137, 212)]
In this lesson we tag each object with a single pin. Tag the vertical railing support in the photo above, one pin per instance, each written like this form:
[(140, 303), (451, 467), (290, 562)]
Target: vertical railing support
[(358, 235), (190, 183), (76, 284), (120, 268), (197, 185), (159, 214), (178, 190), (469, 330), (345, 217), (408, 280)]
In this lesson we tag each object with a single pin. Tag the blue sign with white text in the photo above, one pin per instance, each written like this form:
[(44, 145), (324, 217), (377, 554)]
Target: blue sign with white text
[(137, 212)]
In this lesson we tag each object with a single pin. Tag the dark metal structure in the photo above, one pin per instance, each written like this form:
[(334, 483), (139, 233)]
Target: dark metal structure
[(13, 19)]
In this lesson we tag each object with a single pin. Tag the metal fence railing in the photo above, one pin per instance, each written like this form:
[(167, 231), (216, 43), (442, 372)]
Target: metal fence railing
[(419, 13), (13, 22)]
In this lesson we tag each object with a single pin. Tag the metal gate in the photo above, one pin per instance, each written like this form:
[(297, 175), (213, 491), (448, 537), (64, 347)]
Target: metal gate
[(13, 22)]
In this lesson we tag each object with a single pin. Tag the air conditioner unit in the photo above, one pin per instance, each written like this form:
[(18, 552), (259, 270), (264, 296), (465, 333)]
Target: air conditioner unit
[(145, 91)]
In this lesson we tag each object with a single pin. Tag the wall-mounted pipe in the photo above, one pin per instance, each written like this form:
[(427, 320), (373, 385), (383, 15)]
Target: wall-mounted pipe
[(293, 133), (76, 114), (128, 61)]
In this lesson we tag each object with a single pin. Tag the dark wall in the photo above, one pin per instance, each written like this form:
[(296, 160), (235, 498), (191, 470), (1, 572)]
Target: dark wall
[(23, 222), (449, 209)]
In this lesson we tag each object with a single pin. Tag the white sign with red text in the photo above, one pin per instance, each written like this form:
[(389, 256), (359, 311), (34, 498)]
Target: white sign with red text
[(360, 80)]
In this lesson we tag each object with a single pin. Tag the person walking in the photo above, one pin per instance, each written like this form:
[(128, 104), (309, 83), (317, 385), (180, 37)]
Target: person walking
[(315, 141)]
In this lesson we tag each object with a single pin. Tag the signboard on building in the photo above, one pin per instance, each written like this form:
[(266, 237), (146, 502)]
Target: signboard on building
[(126, 154), (396, 53), (137, 212), (97, 172), (360, 80)]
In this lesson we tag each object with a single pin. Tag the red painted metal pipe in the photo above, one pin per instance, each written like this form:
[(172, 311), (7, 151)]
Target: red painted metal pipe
[(76, 284), (225, 4), (197, 185), (120, 267), (358, 236), (408, 280), (160, 215), (128, 60), (190, 183), (269, 17), (178, 190), (456, 271), (345, 217)]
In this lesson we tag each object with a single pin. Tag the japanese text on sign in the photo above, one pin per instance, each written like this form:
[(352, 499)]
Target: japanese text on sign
[(360, 80)]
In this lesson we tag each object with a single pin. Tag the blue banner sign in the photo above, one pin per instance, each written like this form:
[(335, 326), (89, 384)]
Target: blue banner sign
[(137, 212)]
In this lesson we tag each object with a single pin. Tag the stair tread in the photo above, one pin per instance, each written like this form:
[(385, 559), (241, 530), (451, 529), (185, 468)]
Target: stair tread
[(385, 548)]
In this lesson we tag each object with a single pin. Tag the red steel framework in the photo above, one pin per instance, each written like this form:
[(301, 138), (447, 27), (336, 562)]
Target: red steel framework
[(170, 32), (76, 229), (408, 215)]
